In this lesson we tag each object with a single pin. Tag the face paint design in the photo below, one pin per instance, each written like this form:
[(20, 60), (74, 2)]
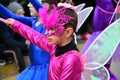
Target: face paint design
[(56, 31)]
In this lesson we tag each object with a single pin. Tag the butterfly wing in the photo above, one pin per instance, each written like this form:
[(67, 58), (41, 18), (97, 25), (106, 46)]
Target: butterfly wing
[(100, 52), (102, 48), (98, 74)]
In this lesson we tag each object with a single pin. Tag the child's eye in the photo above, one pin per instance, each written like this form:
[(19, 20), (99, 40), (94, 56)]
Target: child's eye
[(51, 30)]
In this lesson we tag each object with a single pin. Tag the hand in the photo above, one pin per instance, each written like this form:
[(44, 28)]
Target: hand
[(10, 22), (27, 43)]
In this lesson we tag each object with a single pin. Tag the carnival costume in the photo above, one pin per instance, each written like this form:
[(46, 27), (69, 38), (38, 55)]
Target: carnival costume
[(66, 62)]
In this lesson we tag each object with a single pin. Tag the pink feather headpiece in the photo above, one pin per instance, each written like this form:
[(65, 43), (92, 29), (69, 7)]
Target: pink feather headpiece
[(56, 19)]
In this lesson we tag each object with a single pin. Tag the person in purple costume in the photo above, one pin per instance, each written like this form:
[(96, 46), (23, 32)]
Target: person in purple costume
[(102, 16)]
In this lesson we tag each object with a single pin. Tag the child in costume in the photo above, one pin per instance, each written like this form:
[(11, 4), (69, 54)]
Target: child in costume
[(102, 16), (65, 60), (65, 64), (39, 59)]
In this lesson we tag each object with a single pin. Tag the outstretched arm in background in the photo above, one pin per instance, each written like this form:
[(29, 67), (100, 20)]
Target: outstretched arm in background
[(6, 13)]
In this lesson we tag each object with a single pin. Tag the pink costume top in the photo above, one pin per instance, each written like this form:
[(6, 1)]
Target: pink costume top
[(67, 66)]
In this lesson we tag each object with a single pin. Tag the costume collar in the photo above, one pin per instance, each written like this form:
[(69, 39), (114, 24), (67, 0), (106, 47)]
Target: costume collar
[(62, 49)]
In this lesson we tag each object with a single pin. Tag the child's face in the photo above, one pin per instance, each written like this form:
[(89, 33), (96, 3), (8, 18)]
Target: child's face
[(53, 38), (60, 40)]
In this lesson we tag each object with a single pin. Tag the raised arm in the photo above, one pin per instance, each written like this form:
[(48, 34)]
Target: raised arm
[(32, 35), (6, 13)]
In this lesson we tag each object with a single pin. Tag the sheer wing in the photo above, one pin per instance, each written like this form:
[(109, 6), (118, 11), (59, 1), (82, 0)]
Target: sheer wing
[(103, 47), (98, 74), (100, 52), (82, 16)]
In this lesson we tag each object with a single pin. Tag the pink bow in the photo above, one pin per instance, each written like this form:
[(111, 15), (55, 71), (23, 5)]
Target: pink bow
[(66, 5)]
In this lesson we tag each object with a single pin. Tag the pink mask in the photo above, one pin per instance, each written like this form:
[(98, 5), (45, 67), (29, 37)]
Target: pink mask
[(55, 20)]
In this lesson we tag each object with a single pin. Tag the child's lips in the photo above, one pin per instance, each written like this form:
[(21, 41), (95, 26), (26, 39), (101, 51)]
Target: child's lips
[(49, 39)]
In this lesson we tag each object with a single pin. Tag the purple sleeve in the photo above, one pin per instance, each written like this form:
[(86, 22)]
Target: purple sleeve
[(105, 4)]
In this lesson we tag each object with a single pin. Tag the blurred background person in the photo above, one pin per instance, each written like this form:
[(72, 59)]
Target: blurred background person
[(12, 40)]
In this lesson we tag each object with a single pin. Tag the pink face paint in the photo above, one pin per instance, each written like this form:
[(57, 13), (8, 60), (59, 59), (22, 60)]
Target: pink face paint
[(57, 31)]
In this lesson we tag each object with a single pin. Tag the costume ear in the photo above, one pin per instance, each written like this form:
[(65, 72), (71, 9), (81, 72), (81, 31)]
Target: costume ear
[(82, 16), (103, 47), (79, 7)]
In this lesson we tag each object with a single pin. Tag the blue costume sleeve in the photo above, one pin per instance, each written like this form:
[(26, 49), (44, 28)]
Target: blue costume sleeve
[(37, 4), (6, 13)]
